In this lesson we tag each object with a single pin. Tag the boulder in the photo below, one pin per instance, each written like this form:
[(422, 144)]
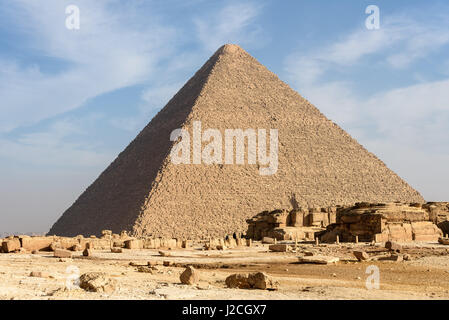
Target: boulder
[(393, 246), (189, 276), (97, 282), (62, 253), (393, 257), (11, 245), (318, 259), (239, 281), (361, 255), (262, 281), (258, 280), (279, 248)]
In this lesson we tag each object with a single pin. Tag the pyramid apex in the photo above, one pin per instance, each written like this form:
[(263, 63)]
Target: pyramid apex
[(230, 48)]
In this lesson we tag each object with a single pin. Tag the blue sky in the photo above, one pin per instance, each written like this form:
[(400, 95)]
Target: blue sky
[(71, 100)]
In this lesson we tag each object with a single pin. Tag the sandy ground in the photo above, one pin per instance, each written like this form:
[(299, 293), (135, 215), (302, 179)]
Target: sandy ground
[(426, 276)]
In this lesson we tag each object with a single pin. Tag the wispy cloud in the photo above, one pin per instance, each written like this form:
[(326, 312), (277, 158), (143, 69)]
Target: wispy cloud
[(400, 41), (234, 23), (107, 53)]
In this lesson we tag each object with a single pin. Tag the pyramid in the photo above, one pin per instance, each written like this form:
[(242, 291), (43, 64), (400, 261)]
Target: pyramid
[(144, 192)]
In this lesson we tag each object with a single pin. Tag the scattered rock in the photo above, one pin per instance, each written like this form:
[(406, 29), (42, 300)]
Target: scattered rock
[(97, 282), (257, 280), (146, 269), (279, 248), (164, 253), (309, 253), (239, 281), (39, 274), (189, 276), (393, 257), (318, 259), (393, 246), (116, 250), (167, 263), (361, 255), (62, 253), (11, 245), (444, 241)]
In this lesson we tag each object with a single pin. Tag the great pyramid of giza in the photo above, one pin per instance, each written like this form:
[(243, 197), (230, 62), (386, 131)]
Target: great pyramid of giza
[(319, 164)]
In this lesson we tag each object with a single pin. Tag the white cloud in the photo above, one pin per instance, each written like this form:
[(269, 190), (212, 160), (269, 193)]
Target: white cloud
[(234, 23), (401, 41), (106, 54)]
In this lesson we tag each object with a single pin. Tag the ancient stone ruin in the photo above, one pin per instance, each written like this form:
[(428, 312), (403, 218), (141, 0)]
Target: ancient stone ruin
[(365, 222), (143, 192), (381, 222), (297, 224), (439, 214)]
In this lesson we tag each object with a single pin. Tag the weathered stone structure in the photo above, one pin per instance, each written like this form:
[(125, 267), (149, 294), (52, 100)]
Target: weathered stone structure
[(297, 224), (319, 164), (382, 222), (439, 214)]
